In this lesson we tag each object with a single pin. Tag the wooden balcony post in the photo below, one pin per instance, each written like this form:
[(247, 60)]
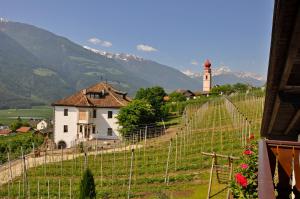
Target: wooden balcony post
[(265, 181)]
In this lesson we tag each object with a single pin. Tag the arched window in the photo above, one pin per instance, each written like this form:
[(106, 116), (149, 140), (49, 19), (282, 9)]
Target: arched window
[(61, 145)]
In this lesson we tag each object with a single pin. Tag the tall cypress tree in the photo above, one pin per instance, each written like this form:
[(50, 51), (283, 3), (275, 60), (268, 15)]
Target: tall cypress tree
[(87, 185)]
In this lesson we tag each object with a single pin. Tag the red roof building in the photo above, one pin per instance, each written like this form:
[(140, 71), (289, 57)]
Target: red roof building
[(5, 132), (90, 113), (23, 129)]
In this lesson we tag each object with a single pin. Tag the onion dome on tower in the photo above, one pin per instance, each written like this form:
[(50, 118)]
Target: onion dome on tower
[(207, 64)]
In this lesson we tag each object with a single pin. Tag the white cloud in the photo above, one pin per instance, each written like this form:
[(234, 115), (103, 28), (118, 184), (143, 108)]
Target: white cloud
[(195, 63), (97, 41), (145, 48)]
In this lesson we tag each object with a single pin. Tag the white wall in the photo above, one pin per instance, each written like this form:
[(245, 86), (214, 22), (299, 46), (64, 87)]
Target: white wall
[(61, 120), (41, 125), (102, 123)]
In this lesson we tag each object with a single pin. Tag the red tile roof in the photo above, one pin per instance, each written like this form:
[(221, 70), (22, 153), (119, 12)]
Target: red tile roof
[(23, 129), (107, 96), (5, 131)]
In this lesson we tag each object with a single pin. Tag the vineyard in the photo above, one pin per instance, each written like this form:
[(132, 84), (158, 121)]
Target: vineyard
[(172, 164)]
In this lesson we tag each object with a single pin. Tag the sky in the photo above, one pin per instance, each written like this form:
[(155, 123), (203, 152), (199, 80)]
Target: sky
[(177, 33)]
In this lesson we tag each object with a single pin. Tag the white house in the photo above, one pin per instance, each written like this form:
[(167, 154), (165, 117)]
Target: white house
[(41, 125), (88, 114)]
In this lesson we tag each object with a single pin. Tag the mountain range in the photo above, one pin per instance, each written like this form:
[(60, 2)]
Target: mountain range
[(224, 75), (39, 67)]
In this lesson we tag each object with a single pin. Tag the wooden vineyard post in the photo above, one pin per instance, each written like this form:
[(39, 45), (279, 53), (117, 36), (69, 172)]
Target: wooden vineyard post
[(167, 165), (211, 175), (73, 159), (230, 160), (145, 142), (130, 173), (38, 189), (70, 188), (8, 190), (176, 151), (19, 189), (61, 162), (9, 164), (34, 160), (48, 188), (24, 174), (101, 166), (58, 188), (85, 161), (45, 161)]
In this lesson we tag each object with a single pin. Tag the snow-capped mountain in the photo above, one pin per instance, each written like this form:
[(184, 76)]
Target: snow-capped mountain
[(120, 56), (224, 74), (3, 20)]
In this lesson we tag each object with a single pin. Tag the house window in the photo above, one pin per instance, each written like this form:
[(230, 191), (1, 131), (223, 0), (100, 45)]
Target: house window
[(65, 128), (206, 77), (109, 114), (94, 113), (80, 128), (65, 112), (94, 130), (109, 131)]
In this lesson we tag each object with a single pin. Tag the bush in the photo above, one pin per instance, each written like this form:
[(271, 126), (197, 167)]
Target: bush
[(245, 183), (87, 185)]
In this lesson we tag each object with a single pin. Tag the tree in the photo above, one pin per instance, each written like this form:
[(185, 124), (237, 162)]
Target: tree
[(239, 87), (225, 89), (134, 114), (87, 185), (155, 96), (177, 97), (15, 125)]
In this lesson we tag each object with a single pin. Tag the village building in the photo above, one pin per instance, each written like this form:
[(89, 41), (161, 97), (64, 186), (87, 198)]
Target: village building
[(88, 114), (186, 93), (39, 124), (24, 129), (5, 132), (4, 127)]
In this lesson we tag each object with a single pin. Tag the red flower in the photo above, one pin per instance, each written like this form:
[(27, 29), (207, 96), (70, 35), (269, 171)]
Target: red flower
[(244, 166), (242, 180), (251, 137), (248, 152)]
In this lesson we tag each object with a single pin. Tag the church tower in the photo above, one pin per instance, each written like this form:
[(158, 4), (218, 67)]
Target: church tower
[(207, 76)]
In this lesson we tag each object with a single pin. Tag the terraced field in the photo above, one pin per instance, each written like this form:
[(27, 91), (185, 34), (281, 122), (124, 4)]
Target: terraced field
[(172, 165)]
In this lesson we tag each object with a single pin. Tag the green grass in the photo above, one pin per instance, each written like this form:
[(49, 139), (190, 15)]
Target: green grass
[(7, 116)]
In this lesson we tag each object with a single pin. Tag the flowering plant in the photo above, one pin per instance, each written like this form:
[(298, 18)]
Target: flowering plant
[(244, 184)]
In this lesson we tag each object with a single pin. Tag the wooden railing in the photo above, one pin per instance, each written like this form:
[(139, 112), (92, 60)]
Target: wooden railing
[(278, 169)]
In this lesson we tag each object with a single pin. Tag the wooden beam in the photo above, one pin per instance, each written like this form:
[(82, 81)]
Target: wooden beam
[(293, 122), (265, 181), (294, 45), (274, 114)]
